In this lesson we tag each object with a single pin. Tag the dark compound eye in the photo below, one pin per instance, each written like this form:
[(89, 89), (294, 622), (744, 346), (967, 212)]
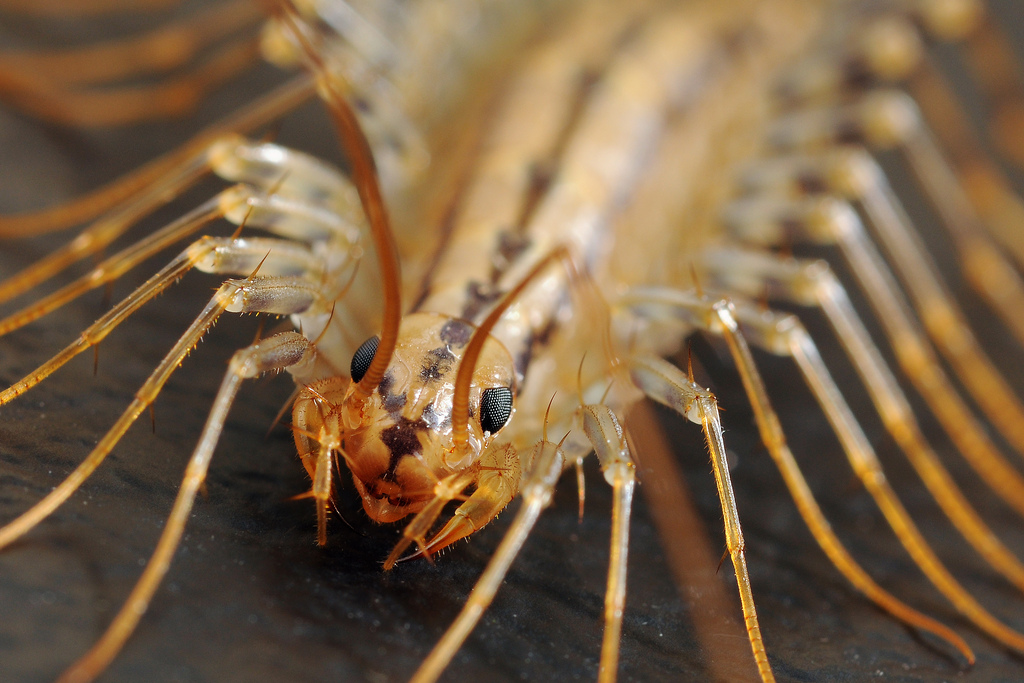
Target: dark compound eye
[(495, 408), (363, 357)]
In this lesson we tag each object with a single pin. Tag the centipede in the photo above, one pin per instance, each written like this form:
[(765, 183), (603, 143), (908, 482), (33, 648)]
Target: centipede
[(749, 146)]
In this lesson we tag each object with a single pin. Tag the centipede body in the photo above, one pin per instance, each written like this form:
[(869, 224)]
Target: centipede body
[(250, 593)]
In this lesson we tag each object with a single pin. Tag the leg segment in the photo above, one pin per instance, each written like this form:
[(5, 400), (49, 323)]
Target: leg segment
[(275, 353), (282, 295), (664, 383), (718, 317), (854, 174), (155, 173), (604, 432), (785, 332), (544, 464), (836, 223)]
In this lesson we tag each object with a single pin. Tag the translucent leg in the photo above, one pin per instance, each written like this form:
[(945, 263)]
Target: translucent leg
[(852, 173), (168, 98), (143, 398), (273, 213), (158, 51), (269, 108), (787, 333), (209, 254), (664, 383), (112, 268), (299, 184), (717, 317), (988, 271), (989, 190), (812, 283), (887, 119), (694, 563), (281, 295), (830, 222), (996, 68), (604, 432), (100, 234), (275, 353), (544, 464)]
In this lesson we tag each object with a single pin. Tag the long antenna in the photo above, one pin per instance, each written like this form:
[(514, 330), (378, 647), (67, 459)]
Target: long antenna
[(364, 176)]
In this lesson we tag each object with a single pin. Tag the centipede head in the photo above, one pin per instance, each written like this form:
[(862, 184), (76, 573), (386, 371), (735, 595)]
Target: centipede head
[(398, 441)]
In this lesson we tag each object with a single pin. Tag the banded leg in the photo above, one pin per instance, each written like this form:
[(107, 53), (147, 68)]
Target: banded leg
[(273, 169), (718, 317)]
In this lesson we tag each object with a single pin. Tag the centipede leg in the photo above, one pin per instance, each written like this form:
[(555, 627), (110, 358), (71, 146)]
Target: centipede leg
[(663, 382), (832, 223), (797, 343), (606, 435), (151, 175), (544, 465), (279, 352), (718, 317), (854, 174), (812, 283)]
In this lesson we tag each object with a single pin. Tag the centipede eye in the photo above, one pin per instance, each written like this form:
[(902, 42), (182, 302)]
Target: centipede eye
[(495, 408), (363, 356)]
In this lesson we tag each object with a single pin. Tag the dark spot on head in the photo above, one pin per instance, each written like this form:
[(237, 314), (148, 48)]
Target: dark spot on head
[(437, 363), (392, 402), (456, 333), (434, 420), (401, 439)]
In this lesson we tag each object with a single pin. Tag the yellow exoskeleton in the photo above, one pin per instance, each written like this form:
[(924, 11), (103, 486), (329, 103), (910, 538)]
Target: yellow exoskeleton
[(542, 202)]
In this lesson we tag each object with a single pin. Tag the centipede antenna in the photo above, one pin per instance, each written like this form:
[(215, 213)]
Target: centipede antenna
[(364, 175), (464, 377)]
